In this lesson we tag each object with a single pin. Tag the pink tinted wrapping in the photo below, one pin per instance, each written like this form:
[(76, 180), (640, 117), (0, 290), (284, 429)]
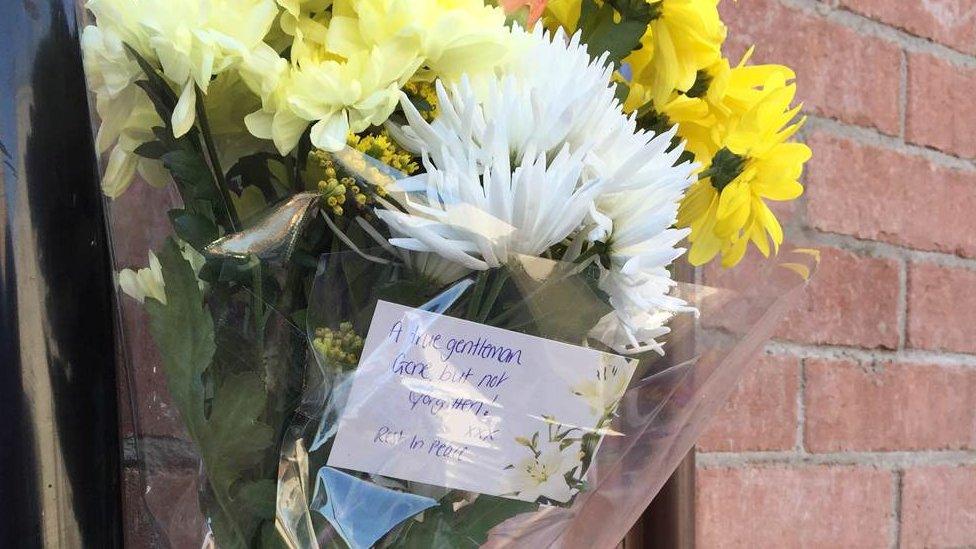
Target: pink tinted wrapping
[(663, 416)]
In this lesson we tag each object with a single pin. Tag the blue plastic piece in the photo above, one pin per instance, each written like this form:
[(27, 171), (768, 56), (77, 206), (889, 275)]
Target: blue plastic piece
[(360, 511)]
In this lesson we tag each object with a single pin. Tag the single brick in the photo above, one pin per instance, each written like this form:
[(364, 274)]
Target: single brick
[(794, 507), (852, 300), (145, 378), (845, 180), (140, 529), (840, 73), (761, 412), (941, 308), (938, 507), (171, 496), (852, 406), (941, 112), (950, 22)]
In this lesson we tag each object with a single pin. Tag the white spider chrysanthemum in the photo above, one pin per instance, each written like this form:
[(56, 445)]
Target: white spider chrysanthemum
[(479, 214), (514, 160), (549, 94), (636, 227), (508, 159)]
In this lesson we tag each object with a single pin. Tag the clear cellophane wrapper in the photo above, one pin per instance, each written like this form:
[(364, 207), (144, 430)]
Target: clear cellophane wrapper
[(663, 407)]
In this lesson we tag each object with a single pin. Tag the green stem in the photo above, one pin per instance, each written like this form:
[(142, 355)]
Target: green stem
[(524, 302), (501, 277), (475, 300), (220, 182)]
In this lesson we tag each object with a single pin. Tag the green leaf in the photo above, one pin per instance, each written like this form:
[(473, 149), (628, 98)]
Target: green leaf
[(621, 92), (236, 440), (255, 170), (191, 173), (259, 497), (152, 149), (605, 30), (156, 87), (639, 10), (478, 518), (466, 528), (231, 438), (196, 229), (184, 332)]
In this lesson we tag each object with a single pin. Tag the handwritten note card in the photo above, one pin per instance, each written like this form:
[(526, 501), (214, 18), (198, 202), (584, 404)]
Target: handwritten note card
[(453, 403)]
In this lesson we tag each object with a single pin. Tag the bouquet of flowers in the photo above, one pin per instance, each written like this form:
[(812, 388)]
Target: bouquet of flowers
[(419, 283)]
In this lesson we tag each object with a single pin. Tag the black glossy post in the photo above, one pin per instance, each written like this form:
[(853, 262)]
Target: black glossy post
[(59, 451)]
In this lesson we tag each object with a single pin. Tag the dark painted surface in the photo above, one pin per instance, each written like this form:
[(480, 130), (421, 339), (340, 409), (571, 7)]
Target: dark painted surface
[(59, 452)]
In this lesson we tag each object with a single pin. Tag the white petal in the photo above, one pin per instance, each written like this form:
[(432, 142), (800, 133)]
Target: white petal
[(185, 112), (118, 173), (330, 134), (128, 283)]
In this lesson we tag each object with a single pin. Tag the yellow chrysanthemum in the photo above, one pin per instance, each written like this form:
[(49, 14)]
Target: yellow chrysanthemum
[(721, 95), (684, 36), (726, 208)]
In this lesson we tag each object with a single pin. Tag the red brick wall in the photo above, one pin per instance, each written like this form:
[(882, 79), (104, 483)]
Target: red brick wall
[(858, 427)]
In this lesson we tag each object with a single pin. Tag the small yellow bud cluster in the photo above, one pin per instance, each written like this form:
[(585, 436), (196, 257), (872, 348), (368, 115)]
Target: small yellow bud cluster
[(339, 191), (421, 93), (384, 149), (357, 165), (340, 347)]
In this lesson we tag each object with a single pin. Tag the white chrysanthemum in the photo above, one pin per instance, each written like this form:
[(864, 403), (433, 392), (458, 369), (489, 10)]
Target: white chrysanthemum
[(481, 214), (549, 94), (507, 158), (636, 227), (551, 101)]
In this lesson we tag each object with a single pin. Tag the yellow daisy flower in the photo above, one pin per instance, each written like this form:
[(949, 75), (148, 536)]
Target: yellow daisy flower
[(683, 37), (725, 209), (721, 94)]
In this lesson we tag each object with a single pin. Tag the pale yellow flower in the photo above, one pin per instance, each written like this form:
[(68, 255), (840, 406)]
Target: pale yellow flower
[(227, 102), (148, 282), (350, 78), (125, 113), (192, 41), (453, 36)]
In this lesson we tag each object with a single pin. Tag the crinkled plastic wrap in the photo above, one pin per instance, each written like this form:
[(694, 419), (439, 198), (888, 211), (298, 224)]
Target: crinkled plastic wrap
[(302, 369), (288, 351), (655, 408)]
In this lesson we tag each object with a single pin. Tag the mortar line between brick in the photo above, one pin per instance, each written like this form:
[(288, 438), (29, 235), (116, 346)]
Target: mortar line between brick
[(890, 461), (801, 410), (905, 356), (902, 312), (902, 94), (870, 136), (884, 250), (866, 26), (898, 480)]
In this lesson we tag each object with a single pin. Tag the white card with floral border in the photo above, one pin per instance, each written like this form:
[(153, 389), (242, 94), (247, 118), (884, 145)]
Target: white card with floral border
[(454, 403)]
